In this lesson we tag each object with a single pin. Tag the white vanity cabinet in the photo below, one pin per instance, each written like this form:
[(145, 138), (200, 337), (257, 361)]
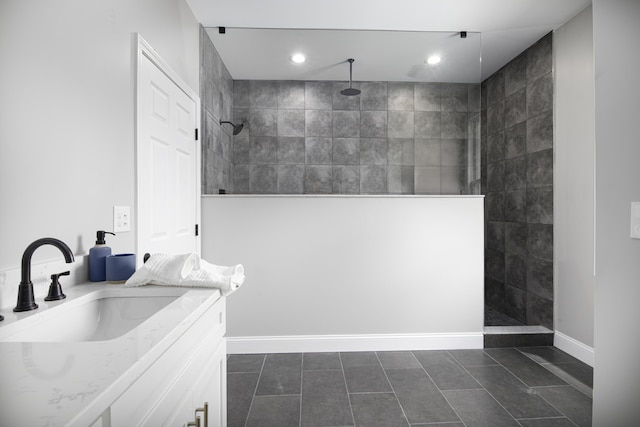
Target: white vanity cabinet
[(175, 388), (158, 372)]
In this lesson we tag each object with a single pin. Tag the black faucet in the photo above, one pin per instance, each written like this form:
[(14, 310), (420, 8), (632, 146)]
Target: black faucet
[(26, 301)]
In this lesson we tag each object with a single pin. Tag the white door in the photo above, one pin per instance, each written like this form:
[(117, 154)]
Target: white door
[(168, 185)]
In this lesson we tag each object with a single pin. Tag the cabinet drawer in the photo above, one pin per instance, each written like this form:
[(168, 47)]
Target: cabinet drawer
[(168, 372)]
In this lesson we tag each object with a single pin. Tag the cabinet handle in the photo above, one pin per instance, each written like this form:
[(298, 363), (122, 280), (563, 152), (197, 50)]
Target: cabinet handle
[(195, 423), (206, 413)]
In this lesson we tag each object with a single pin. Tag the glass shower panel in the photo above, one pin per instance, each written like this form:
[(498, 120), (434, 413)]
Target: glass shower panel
[(413, 129)]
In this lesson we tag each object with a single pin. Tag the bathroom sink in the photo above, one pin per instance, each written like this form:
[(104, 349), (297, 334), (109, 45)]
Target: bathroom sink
[(98, 316)]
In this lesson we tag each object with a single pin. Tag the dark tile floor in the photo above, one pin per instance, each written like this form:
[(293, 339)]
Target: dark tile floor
[(531, 387)]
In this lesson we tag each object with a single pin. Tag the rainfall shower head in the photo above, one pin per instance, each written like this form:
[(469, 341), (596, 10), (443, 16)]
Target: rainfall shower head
[(236, 128), (350, 91)]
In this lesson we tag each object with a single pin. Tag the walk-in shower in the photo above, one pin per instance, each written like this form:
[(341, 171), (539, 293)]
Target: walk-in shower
[(403, 127)]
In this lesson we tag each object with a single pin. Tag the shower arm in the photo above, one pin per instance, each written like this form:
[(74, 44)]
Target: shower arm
[(350, 71)]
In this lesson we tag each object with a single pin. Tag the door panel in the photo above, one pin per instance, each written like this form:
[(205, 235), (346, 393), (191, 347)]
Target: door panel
[(159, 183), (167, 164), (184, 185)]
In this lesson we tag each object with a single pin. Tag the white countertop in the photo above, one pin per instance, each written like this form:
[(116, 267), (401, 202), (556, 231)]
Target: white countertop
[(72, 383)]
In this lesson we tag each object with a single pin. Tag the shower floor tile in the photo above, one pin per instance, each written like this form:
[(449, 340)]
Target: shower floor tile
[(493, 317), (529, 386)]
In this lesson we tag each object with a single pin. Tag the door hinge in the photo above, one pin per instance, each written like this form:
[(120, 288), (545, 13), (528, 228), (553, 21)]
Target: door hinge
[(197, 230), (196, 134)]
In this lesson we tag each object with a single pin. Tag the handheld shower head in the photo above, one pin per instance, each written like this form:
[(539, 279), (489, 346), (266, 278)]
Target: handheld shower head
[(236, 128), (350, 91)]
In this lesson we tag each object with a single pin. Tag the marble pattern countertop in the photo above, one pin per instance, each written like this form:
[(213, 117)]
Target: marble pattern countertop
[(73, 383)]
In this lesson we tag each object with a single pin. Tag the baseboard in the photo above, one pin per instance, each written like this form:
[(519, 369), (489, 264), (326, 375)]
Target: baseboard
[(375, 342), (575, 348)]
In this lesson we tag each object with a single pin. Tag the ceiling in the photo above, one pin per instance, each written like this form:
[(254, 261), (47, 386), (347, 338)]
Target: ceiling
[(398, 35), (379, 55)]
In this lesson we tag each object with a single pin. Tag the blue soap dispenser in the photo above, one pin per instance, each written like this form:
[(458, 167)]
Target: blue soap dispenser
[(97, 257)]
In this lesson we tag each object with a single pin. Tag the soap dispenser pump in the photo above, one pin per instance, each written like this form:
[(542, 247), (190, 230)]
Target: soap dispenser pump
[(97, 257)]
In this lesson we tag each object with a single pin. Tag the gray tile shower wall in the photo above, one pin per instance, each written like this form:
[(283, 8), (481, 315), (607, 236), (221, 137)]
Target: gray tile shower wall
[(304, 137), (216, 98), (517, 179)]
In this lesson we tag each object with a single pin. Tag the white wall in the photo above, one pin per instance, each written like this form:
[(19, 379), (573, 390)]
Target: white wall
[(616, 390), (66, 114), (574, 183), (357, 265)]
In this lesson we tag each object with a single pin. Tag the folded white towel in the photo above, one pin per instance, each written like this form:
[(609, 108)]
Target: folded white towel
[(187, 270)]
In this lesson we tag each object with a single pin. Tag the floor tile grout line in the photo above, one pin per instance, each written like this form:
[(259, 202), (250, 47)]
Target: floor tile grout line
[(531, 388), (467, 371), (373, 392), (570, 383), (554, 407), (558, 364), (553, 386), (526, 355), (255, 390), (280, 395), (404, 414), (520, 379), (492, 396), (441, 423), (346, 388), (555, 364), (576, 361), (462, 389), (301, 390), (437, 423), (438, 388), (471, 366), (321, 370), (542, 418), (545, 386), (397, 351)]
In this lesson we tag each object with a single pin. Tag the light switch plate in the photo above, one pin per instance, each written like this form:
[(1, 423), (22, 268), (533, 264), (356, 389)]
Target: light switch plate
[(635, 220), (121, 219)]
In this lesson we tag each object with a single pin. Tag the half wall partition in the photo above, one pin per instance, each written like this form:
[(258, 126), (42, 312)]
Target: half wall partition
[(350, 273)]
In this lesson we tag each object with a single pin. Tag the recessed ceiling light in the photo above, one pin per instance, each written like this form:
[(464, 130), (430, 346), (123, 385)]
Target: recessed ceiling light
[(298, 58), (434, 59)]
